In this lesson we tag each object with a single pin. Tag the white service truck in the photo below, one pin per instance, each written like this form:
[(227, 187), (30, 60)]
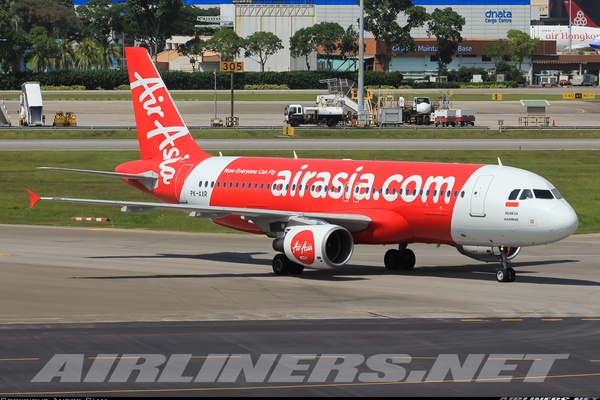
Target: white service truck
[(296, 115)]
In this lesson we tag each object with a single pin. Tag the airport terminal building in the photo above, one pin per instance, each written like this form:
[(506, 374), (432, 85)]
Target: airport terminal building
[(486, 20)]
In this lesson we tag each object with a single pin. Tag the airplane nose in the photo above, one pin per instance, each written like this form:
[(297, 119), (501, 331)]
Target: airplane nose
[(563, 221)]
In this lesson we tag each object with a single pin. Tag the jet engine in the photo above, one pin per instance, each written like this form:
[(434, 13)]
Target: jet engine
[(317, 246), (487, 254)]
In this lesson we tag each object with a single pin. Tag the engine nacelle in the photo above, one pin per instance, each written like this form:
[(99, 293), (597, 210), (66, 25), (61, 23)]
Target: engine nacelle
[(487, 254), (317, 246)]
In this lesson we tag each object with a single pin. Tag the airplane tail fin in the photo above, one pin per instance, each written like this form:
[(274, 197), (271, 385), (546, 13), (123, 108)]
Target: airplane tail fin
[(577, 16), (162, 133)]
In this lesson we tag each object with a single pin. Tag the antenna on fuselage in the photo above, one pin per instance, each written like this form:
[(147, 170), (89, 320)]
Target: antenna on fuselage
[(499, 162), (295, 155)]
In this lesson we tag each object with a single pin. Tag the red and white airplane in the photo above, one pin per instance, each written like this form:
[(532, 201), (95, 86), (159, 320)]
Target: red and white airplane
[(316, 210)]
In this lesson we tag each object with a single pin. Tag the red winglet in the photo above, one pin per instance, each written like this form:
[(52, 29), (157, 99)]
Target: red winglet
[(33, 198)]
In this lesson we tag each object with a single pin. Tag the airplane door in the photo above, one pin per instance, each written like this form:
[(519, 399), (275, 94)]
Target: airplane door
[(478, 195), (181, 176)]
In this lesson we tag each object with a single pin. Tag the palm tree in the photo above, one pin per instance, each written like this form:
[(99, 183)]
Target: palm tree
[(108, 51), (87, 55), (65, 58)]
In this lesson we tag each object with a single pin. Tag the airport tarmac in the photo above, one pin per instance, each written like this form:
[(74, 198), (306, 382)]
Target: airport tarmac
[(101, 274), (569, 113), (136, 296)]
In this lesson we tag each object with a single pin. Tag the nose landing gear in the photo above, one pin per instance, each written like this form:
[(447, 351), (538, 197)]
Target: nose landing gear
[(505, 273)]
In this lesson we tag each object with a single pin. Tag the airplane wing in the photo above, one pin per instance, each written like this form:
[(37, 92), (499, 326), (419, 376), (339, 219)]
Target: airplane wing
[(352, 222), (148, 179)]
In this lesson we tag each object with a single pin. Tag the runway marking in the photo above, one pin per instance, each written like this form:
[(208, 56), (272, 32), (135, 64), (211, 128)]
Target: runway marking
[(511, 319), (552, 319), (471, 320), (307, 386), (590, 319), (20, 359), (6, 255)]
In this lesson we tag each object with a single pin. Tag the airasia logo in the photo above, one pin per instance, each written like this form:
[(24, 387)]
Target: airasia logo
[(303, 247), (169, 134)]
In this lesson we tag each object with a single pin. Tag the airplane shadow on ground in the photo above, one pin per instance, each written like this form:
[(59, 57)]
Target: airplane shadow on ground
[(353, 272)]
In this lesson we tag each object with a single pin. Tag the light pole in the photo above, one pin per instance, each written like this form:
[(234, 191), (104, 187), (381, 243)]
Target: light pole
[(361, 62), (570, 19), (215, 76)]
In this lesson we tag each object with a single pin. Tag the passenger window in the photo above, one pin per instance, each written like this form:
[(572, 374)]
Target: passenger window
[(514, 194), (526, 194), (542, 194)]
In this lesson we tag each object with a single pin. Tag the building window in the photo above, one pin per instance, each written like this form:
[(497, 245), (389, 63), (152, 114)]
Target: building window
[(486, 59), (433, 58)]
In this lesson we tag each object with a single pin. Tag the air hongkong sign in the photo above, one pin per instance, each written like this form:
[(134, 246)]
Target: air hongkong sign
[(498, 17)]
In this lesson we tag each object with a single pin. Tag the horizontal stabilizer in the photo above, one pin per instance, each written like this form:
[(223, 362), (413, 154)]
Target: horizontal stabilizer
[(148, 179)]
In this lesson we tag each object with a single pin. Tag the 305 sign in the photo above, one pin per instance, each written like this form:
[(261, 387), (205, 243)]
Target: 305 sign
[(232, 66)]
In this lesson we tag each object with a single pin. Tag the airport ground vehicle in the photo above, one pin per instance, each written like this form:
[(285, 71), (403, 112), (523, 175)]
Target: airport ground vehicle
[(465, 117), (31, 106), (296, 115), (418, 111), (65, 119)]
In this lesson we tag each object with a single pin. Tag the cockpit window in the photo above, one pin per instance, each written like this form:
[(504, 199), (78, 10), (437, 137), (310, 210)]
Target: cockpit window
[(514, 194), (557, 193), (542, 194), (526, 194)]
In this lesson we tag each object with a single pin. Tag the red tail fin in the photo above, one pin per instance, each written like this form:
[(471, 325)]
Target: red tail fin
[(162, 134), (577, 16)]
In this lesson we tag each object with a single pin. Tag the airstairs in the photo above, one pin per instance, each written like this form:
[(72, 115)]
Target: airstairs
[(4, 115)]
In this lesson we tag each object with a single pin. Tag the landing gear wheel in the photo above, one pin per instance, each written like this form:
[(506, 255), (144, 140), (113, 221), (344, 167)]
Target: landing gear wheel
[(511, 274), (408, 259), (505, 273), (281, 264), (295, 269), (501, 275), (391, 259)]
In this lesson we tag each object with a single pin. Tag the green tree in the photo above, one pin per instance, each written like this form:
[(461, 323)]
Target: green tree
[(302, 44), (100, 18), (87, 55), (152, 21), (260, 46), (446, 25), (327, 35), (225, 42), (65, 55), (44, 49), (381, 20), (497, 50), (56, 16), (193, 49), (521, 45), (107, 52), (348, 44)]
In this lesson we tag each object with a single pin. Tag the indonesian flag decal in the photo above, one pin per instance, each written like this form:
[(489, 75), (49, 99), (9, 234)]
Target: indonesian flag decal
[(303, 247)]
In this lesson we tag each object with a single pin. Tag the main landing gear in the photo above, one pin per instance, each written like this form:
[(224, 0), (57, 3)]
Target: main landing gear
[(505, 273), (401, 258), (283, 266)]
